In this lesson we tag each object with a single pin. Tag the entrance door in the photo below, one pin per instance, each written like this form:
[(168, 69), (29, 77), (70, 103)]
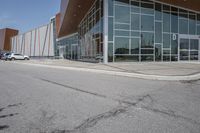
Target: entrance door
[(74, 51), (188, 48)]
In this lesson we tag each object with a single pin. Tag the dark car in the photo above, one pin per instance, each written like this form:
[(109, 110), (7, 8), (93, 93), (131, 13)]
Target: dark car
[(1, 55)]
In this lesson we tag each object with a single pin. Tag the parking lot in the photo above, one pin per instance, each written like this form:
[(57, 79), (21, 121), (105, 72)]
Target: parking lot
[(36, 99)]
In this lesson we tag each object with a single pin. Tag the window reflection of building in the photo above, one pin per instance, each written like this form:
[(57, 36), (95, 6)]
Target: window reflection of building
[(148, 30)]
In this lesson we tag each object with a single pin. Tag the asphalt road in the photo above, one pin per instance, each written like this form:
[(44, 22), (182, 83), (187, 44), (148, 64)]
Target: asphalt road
[(46, 100)]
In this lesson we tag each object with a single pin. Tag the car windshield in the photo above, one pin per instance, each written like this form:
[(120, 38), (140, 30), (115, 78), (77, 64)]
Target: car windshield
[(7, 54)]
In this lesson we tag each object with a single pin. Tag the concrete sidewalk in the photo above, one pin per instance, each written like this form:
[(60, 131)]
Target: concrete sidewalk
[(170, 71)]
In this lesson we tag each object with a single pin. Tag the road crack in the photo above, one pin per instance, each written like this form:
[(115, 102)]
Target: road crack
[(74, 88), (92, 121)]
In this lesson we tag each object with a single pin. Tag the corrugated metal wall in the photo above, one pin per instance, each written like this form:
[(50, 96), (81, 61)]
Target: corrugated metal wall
[(35, 43)]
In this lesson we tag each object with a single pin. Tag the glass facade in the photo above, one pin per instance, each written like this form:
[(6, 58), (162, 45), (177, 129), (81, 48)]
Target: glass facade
[(68, 47), (145, 30), (91, 32)]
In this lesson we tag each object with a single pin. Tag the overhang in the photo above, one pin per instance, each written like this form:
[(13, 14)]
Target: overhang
[(72, 12)]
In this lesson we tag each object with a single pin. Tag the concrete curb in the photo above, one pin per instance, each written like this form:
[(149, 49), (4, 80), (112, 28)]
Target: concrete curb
[(124, 74)]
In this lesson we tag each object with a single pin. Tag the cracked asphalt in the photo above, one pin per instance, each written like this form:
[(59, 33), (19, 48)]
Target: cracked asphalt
[(46, 100)]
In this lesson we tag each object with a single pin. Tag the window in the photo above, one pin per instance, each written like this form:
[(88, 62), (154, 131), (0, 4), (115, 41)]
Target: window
[(125, 2), (121, 45), (147, 40), (147, 23), (174, 44), (122, 14), (122, 33), (147, 8), (166, 22), (174, 22), (192, 24), (166, 40), (110, 7), (135, 42), (158, 32), (135, 22), (122, 26), (158, 13), (183, 26), (110, 29), (110, 52), (135, 6)]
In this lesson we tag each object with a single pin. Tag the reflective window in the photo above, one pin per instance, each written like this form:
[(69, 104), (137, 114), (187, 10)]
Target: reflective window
[(183, 14), (166, 58), (174, 22), (135, 42), (110, 52), (198, 18), (122, 14), (183, 26), (147, 51), (122, 26), (158, 32), (135, 22), (158, 13), (135, 6), (194, 44), (184, 44), (126, 58), (148, 30), (135, 33), (125, 2), (147, 23), (166, 52), (166, 22), (122, 33), (147, 8), (147, 58), (158, 52), (121, 45), (174, 44), (110, 7), (198, 30), (192, 24), (147, 40), (166, 40), (110, 29)]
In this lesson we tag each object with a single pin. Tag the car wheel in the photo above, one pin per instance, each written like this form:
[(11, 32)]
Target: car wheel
[(26, 59), (12, 59)]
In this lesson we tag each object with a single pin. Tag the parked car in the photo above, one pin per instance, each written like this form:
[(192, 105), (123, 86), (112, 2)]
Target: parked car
[(1, 55), (14, 56), (5, 56)]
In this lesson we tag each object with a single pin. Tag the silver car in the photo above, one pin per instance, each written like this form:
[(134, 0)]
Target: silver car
[(14, 56), (5, 56)]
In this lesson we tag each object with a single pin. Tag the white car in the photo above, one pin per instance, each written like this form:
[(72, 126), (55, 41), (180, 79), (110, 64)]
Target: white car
[(14, 56)]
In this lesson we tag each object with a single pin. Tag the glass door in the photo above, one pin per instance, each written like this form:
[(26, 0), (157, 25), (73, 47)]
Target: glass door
[(189, 48), (74, 51), (184, 49)]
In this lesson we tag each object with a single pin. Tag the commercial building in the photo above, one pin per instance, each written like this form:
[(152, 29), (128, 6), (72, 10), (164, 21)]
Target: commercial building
[(5, 35), (39, 42), (130, 30)]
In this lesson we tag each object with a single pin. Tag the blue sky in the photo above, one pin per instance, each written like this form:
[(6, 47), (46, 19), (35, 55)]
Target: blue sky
[(25, 15)]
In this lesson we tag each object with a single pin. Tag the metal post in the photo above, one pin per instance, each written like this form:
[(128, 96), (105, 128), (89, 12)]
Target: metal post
[(105, 31)]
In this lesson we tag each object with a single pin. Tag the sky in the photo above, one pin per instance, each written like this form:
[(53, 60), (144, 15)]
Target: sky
[(25, 15)]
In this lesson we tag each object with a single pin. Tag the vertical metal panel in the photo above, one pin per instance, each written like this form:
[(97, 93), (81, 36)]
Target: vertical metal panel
[(45, 40)]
